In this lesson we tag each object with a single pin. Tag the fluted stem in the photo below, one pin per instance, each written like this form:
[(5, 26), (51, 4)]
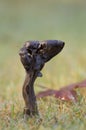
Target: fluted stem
[(29, 94)]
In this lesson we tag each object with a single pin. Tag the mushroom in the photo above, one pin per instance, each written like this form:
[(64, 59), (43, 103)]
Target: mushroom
[(34, 55)]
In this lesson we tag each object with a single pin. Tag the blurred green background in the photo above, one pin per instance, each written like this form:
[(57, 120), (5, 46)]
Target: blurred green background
[(23, 20)]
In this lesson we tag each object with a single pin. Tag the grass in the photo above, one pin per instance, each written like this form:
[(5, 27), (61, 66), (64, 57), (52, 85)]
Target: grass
[(54, 114), (21, 21)]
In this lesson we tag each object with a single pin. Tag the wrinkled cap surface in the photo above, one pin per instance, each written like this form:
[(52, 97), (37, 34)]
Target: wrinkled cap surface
[(35, 54), (47, 48)]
